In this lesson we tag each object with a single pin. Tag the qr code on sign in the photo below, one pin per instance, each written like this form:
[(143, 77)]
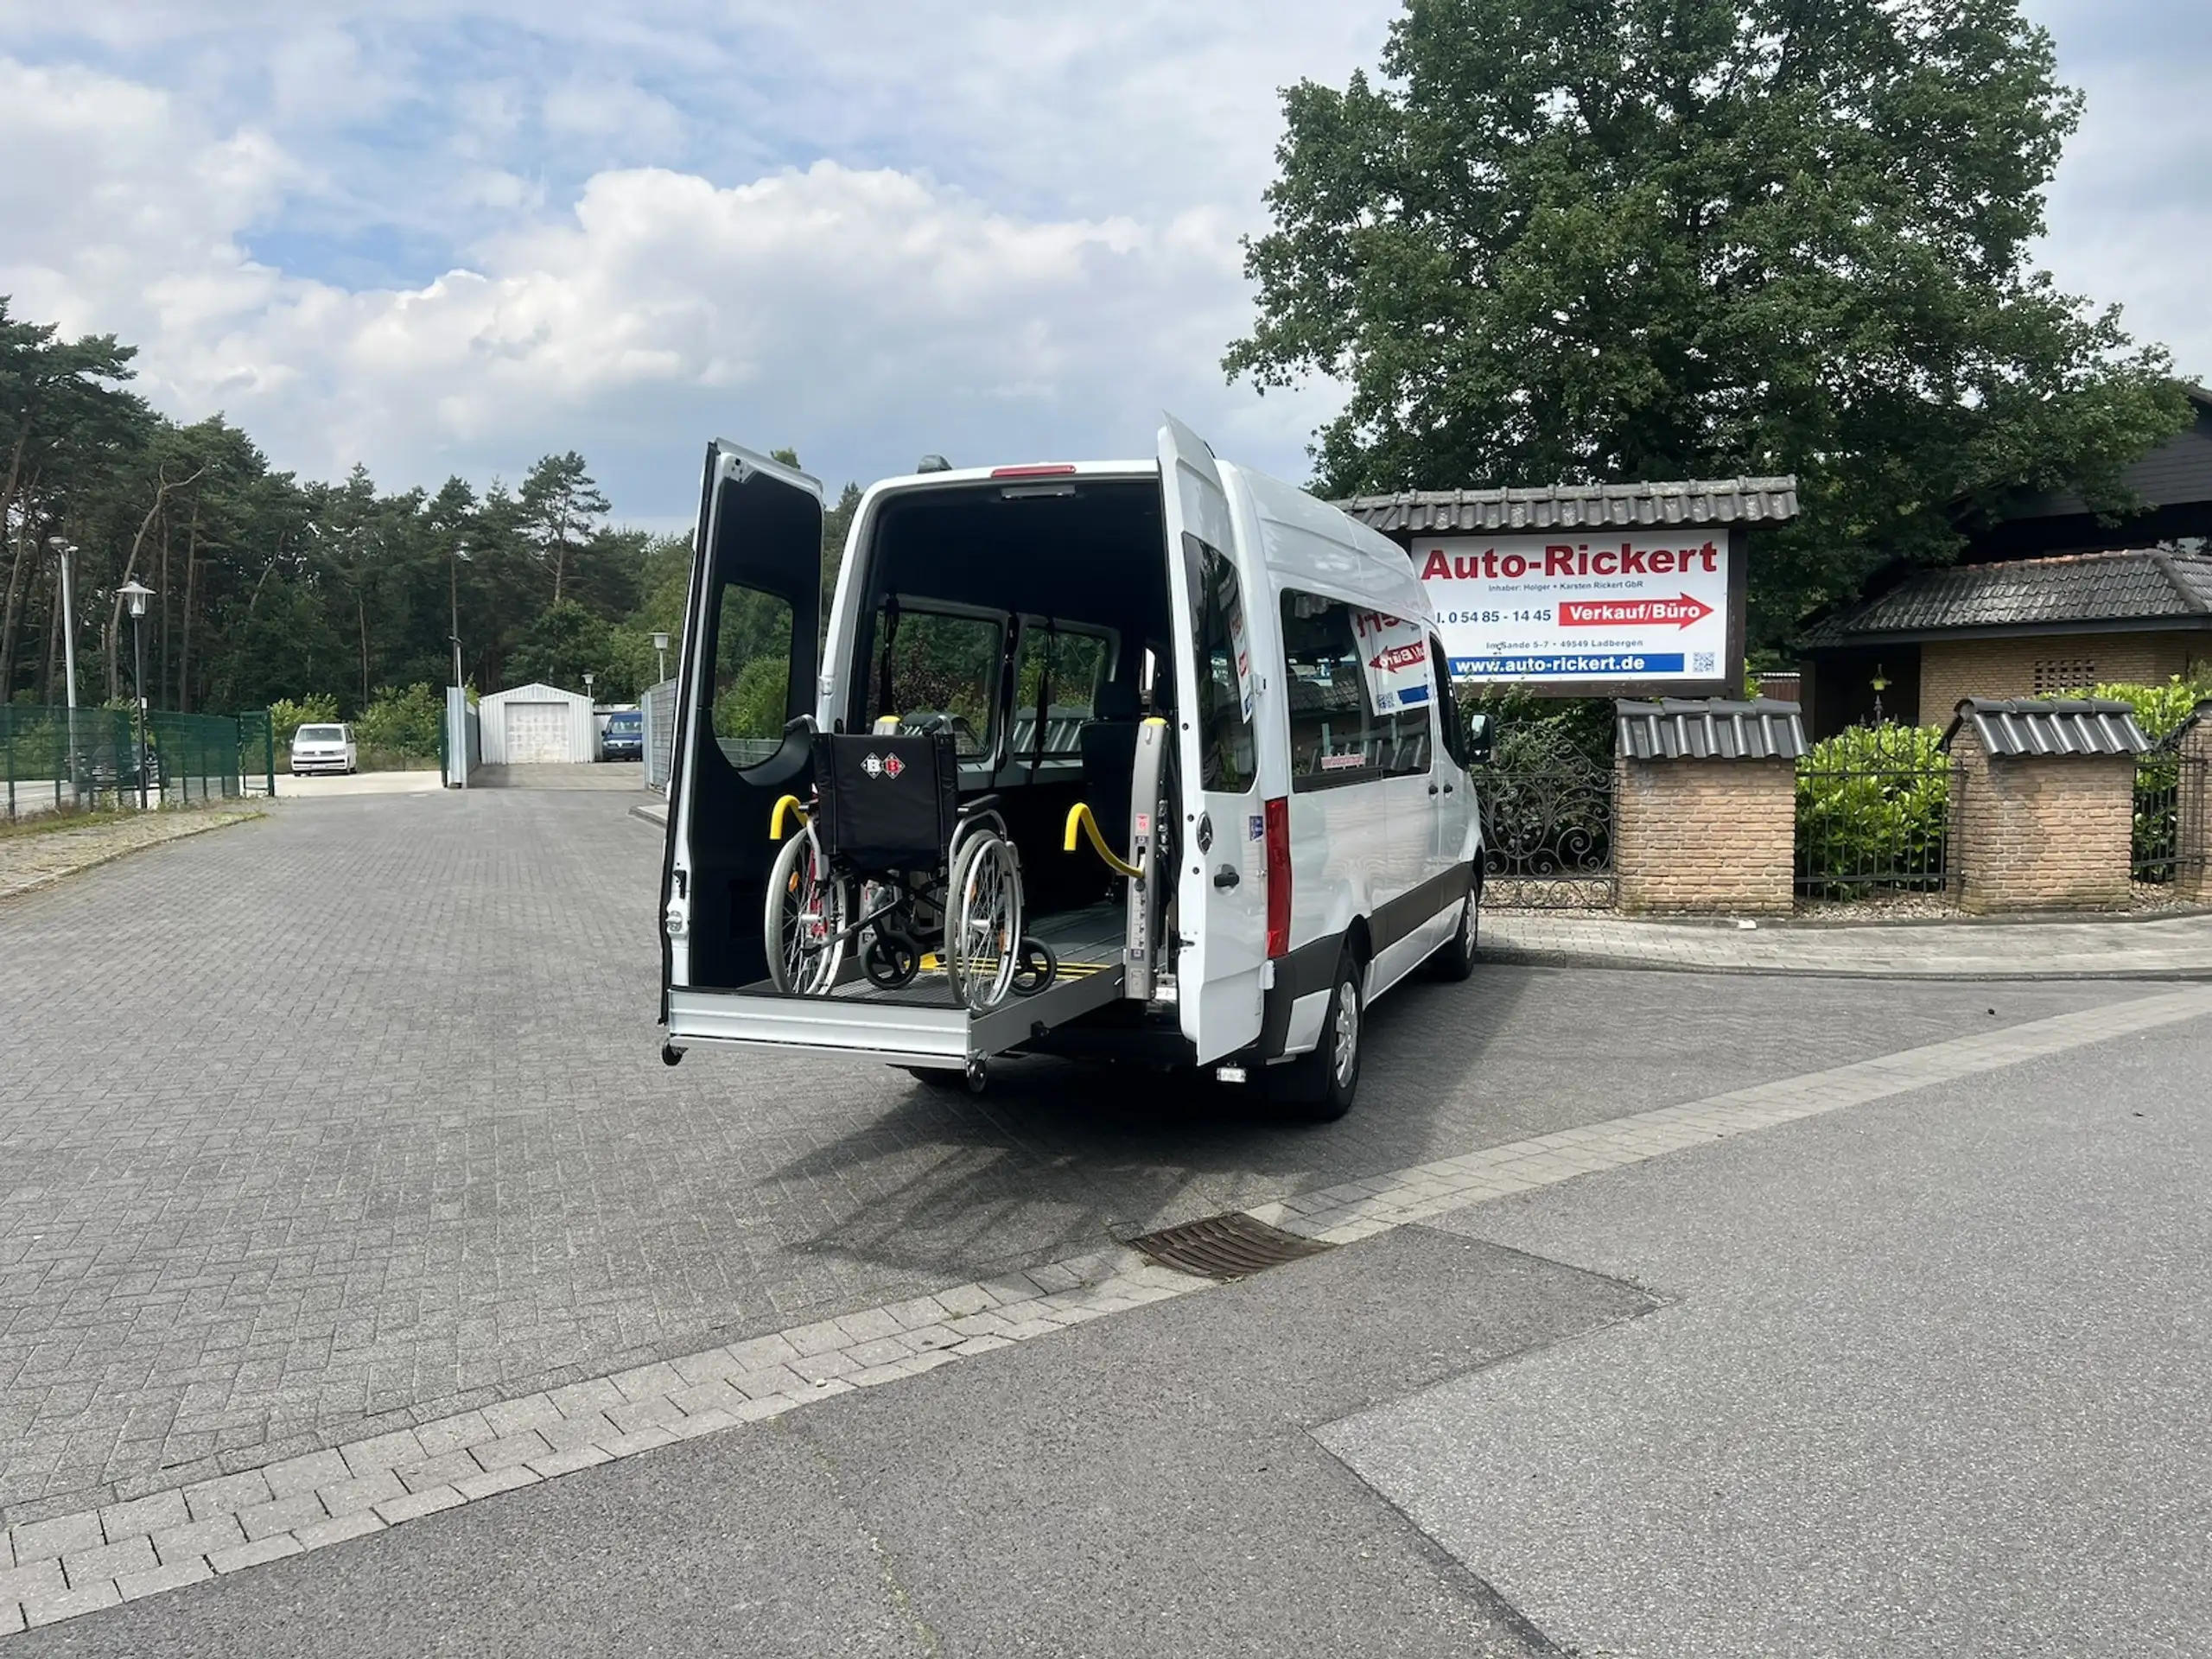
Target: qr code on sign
[(1701, 662)]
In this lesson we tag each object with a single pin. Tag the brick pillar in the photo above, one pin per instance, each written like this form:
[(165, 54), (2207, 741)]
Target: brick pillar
[(2040, 832), (2193, 802), (1704, 834)]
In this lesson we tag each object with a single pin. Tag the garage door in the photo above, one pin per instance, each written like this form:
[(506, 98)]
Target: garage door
[(537, 731)]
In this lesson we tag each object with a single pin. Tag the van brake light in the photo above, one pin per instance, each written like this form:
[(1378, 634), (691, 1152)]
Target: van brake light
[(1060, 469), (1277, 830)]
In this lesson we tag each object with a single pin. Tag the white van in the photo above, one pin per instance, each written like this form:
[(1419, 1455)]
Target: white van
[(1209, 714)]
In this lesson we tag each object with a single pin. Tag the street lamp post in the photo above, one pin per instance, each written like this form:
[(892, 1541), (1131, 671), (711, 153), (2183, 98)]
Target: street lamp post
[(588, 679), (137, 593), (461, 556), (660, 655)]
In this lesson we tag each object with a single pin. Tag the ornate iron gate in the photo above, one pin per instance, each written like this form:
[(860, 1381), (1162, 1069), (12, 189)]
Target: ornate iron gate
[(1548, 827)]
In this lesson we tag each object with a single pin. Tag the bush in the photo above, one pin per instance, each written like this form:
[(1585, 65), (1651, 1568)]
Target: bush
[(402, 724), (287, 715), (1873, 802), (2160, 710)]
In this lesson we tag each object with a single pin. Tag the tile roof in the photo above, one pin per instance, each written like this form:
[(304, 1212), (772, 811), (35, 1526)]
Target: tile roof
[(1581, 506), (2145, 584), (2012, 728), (1679, 728)]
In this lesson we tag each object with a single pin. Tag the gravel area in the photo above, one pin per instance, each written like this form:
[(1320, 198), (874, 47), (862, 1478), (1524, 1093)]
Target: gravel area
[(28, 862)]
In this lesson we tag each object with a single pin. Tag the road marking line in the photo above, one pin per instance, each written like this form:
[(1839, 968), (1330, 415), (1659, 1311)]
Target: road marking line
[(389, 1479)]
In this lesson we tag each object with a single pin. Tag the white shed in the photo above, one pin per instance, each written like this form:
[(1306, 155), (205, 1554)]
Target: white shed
[(529, 725)]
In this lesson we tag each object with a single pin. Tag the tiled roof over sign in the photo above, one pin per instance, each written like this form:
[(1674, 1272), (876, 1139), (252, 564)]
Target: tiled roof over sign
[(1581, 506), (2138, 585)]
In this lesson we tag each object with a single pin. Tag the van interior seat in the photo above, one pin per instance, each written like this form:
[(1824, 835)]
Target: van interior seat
[(1109, 759)]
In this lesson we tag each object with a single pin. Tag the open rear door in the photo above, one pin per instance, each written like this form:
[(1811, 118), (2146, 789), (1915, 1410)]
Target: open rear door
[(1221, 883), (751, 635)]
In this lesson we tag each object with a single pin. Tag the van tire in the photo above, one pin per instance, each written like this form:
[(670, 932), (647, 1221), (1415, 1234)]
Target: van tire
[(1455, 958), (1319, 1087)]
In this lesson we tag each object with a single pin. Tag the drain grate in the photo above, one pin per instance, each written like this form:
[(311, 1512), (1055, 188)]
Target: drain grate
[(1225, 1246)]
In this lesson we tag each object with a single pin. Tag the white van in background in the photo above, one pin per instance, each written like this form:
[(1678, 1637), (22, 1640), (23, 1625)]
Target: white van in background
[(324, 748), (1237, 685)]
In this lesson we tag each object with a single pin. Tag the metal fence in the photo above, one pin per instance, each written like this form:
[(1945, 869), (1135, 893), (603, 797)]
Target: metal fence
[(2169, 796), (1547, 825), (1873, 813), (66, 759)]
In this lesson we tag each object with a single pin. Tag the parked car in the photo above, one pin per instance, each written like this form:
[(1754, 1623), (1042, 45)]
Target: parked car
[(324, 748), (625, 736)]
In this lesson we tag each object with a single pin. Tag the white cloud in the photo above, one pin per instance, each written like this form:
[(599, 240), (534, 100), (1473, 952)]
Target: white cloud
[(440, 237)]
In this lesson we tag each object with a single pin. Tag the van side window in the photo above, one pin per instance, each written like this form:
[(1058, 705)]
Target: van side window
[(1336, 736), (752, 691), (1227, 677), (939, 663)]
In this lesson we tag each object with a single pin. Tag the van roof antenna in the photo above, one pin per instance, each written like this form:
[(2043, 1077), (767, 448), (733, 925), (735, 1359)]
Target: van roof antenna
[(932, 464)]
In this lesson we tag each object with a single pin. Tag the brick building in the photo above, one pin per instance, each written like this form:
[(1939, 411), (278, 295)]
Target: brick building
[(2020, 628), (2052, 598)]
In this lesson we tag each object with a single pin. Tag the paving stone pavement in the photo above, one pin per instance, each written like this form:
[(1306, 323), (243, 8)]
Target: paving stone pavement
[(28, 862), (2169, 948), (354, 1120), (70, 1564)]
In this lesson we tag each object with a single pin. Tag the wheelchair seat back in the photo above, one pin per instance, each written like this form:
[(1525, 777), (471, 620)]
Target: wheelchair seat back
[(887, 802)]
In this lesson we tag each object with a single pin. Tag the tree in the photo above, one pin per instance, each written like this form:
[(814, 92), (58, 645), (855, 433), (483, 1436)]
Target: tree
[(1623, 240), (560, 509)]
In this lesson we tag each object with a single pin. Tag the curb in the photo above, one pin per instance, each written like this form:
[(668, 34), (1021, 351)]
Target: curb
[(657, 816), (1509, 956)]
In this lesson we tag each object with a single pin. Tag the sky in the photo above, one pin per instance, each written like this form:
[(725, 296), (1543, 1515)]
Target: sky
[(445, 237)]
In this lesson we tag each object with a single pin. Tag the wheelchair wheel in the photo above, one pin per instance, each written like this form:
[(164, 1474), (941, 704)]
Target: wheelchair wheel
[(1038, 967), (804, 931), (891, 959), (982, 935)]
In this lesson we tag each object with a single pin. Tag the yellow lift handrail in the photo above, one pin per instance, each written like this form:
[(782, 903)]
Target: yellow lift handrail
[(787, 804), (1079, 818)]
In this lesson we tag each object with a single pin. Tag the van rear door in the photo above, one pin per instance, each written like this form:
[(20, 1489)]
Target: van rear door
[(751, 634), (1220, 883)]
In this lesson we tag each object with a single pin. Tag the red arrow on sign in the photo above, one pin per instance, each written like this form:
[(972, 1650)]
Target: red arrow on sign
[(1398, 657), (1617, 613)]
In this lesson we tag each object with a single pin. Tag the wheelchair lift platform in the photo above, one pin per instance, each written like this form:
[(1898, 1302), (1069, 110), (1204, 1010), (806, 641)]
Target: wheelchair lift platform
[(919, 1024)]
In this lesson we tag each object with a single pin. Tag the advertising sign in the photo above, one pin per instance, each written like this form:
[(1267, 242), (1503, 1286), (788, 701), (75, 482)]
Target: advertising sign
[(1393, 655), (1652, 609)]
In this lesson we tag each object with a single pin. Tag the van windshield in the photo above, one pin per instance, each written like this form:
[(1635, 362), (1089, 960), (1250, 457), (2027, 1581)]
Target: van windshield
[(320, 734), (932, 663)]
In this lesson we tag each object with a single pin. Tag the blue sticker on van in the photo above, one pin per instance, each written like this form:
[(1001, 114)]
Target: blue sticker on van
[(1256, 827)]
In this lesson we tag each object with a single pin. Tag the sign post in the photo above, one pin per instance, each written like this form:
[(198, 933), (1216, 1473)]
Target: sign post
[(1640, 613)]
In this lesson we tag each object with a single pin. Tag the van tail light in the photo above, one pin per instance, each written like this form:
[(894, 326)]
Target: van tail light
[(1277, 846), (1051, 469)]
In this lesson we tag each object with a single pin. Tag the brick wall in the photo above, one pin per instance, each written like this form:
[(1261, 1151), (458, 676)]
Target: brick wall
[(1952, 670), (1715, 836), (2044, 833)]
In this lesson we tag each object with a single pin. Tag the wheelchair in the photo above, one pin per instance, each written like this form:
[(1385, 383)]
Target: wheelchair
[(888, 863)]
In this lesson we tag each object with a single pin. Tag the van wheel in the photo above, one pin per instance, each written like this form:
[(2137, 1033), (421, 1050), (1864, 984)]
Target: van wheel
[(1319, 1087), (1455, 958)]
